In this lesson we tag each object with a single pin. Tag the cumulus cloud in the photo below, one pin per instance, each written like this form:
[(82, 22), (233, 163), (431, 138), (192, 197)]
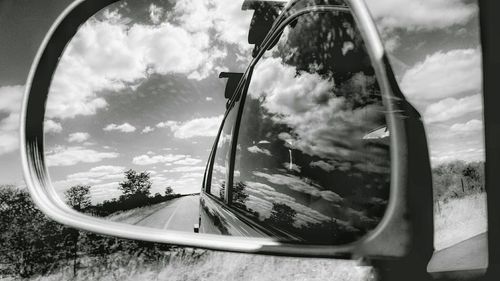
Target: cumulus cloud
[(96, 177), (147, 129), (146, 159), (225, 16), (10, 98), (451, 108), (323, 165), (155, 13), (262, 196), (421, 15), (256, 149), (133, 52), (124, 128), (9, 140), (176, 159), (450, 141), (444, 74), (105, 172), (300, 185), (188, 161), (10, 103), (472, 126), (467, 151), (51, 126), (68, 156), (78, 137), (199, 127), (318, 119)]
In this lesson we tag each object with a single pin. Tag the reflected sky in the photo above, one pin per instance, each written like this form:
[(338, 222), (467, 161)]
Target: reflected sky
[(137, 87), (303, 160)]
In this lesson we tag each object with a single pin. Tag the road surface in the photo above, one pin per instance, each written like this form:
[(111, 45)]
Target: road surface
[(178, 214), (469, 255)]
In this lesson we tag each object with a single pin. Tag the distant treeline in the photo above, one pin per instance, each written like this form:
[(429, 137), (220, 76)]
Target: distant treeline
[(109, 207), (457, 179), (136, 192)]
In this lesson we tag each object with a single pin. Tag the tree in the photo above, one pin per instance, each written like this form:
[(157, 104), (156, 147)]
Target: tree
[(78, 197), (136, 184), (282, 215), (29, 242), (168, 191), (239, 194)]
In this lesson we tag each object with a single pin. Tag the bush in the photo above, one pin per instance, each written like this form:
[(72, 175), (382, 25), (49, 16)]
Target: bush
[(30, 243), (457, 179)]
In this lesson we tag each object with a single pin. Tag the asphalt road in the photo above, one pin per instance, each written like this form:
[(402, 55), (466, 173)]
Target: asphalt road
[(178, 214), (468, 255)]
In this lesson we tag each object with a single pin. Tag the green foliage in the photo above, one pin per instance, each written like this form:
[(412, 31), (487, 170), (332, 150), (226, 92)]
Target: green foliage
[(78, 197), (457, 179)]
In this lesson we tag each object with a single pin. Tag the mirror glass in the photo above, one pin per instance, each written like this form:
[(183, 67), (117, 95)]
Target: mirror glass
[(312, 159), (137, 131)]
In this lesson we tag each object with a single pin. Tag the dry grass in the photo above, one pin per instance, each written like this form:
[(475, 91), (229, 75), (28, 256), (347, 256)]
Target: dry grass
[(459, 219), (217, 266)]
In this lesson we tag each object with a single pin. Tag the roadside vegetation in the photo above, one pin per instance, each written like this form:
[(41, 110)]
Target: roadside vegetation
[(37, 248), (136, 193), (457, 180), (32, 244), (459, 202), (33, 247)]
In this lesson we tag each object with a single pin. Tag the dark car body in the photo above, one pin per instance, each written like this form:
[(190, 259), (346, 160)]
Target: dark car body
[(303, 152)]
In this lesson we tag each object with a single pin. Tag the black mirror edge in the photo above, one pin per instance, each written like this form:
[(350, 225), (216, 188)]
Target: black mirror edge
[(490, 44), (37, 179), (419, 198)]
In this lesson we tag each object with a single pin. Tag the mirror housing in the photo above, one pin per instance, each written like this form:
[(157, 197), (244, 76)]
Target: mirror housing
[(233, 78), (266, 12), (406, 230)]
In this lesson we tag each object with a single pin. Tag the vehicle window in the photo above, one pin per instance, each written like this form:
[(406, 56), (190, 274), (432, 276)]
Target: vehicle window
[(220, 165), (313, 154)]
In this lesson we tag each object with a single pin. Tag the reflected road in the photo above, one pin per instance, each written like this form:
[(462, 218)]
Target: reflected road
[(178, 214)]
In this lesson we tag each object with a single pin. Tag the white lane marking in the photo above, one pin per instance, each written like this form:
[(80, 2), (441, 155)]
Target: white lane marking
[(171, 216)]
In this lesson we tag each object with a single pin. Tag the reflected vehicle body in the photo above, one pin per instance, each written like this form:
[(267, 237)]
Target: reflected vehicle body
[(303, 152)]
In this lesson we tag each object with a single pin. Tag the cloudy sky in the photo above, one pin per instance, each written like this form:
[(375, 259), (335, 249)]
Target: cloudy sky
[(137, 87)]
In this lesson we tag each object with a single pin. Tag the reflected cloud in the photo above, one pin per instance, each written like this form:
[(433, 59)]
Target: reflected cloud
[(256, 149), (68, 156), (300, 185)]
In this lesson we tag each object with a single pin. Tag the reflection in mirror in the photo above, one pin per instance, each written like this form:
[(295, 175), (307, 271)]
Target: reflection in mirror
[(136, 107), (135, 104), (312, 156)]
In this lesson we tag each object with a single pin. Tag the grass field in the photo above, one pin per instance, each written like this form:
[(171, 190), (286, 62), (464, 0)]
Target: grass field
[(216, 266), (458, 219)]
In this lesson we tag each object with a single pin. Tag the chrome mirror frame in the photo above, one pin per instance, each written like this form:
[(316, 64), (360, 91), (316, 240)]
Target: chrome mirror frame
[(391, 238)]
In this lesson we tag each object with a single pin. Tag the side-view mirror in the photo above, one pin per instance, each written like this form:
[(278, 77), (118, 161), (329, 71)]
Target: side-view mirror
[(233, 78), (266, 13), (341, 161)]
